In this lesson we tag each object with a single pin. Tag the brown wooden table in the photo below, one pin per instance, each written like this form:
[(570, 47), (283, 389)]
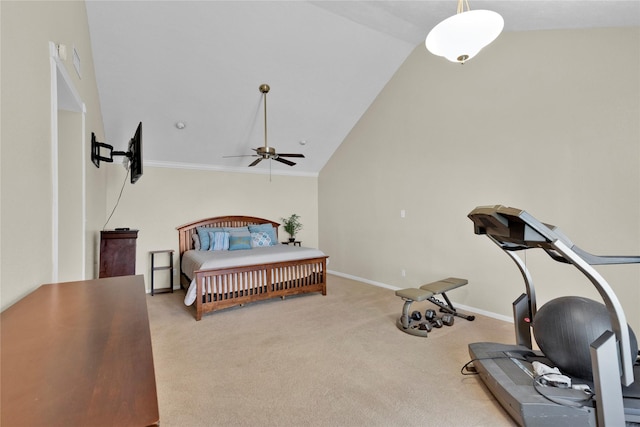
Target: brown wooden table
[(78, 354)]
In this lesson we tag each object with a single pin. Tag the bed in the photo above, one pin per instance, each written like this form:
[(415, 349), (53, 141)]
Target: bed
[(222, 278)]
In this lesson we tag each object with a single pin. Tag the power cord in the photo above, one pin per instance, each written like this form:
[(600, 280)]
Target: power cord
[(538, 385), (471, 370), (117, 201)]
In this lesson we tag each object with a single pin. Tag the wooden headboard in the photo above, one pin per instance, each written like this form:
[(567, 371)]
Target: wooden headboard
[(185, 232)]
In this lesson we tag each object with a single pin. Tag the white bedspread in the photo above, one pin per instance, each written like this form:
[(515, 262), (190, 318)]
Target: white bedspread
[(206, 260)]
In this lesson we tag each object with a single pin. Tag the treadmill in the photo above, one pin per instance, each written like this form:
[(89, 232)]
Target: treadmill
[(507, 369)]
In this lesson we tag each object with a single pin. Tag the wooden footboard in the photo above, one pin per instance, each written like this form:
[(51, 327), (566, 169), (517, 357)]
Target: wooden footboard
[(240, 285), (229, 287)]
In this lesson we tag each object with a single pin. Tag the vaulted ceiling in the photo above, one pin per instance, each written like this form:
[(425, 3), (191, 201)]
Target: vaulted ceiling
[(202, 62)]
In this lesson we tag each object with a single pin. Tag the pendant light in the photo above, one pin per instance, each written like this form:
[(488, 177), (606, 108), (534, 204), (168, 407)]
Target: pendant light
[(461, 36)]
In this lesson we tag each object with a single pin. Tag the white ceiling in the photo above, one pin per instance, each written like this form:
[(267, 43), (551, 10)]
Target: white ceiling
[(201, 62)]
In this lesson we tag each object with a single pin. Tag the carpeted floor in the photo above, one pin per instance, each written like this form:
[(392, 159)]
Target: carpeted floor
[(313, 360)]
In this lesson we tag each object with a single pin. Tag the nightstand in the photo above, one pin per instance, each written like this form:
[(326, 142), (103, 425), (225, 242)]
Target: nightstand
[(296, 243), (163, 267)]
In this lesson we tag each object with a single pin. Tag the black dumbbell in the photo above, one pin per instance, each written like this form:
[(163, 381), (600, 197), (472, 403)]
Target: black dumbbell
[(437, 322), (447, 319), (430, 314), (425, 326), (415, 315)]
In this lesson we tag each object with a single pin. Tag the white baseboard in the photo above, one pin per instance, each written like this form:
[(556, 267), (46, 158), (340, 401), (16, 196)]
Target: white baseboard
[(395, 288)]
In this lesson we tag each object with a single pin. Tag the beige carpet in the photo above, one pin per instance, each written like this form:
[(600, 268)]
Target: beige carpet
[(313, 360)]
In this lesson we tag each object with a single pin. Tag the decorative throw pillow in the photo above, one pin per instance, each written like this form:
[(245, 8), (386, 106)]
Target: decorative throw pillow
[(259, 239), (219, 240), (267, 228), (239, 238), (203, 233), (196, 241)]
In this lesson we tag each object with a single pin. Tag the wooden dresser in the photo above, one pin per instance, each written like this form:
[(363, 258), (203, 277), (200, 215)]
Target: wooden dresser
[(79, 354), (118, 253)]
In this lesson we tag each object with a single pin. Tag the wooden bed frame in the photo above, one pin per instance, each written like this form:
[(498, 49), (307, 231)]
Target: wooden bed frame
[(278, 279)]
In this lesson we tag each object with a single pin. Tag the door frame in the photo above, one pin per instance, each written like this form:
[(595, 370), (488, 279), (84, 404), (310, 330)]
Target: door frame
[(64, 96)]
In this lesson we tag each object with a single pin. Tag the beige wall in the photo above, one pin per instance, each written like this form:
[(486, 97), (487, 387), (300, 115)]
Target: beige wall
[(26, 161), (545, 121), (166, 198)]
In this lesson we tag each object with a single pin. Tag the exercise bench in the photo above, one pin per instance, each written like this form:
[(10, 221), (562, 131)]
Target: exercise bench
[(428, 292)]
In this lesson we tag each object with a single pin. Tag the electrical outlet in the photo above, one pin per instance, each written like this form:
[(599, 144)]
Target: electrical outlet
[(403, 213), (403, 273)]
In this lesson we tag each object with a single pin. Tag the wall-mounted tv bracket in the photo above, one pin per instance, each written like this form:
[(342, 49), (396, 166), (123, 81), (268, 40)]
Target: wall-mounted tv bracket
[(96, 157)]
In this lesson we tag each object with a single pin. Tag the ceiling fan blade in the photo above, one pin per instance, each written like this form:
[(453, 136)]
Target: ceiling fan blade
[(256, 161), (241, 155), (290, 155), (285, 161)]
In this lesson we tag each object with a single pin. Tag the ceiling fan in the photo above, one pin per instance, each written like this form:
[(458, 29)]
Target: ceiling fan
[(266, 152)]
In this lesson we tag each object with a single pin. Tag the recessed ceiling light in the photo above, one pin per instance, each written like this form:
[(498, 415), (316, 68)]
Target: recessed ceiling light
[(181, 125), (302, 142)]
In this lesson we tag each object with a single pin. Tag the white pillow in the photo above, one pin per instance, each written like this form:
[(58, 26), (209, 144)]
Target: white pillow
[(219, 240), (260, 239)]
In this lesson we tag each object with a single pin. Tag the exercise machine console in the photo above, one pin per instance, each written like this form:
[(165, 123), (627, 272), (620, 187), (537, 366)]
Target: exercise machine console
[(507, 369)]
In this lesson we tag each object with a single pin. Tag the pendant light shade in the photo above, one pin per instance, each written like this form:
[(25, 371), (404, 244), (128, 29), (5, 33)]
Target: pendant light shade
[(460, 37)]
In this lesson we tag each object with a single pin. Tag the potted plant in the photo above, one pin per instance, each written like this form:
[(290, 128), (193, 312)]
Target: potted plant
[(292, 225)]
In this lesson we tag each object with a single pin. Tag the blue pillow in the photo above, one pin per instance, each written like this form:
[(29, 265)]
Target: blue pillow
[(267, 228), (239, 238), (237, 242), (236, 229), (219, 240), (203, 233)]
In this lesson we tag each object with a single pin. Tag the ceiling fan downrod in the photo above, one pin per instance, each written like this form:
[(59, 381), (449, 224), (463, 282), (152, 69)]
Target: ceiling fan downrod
[(264, 88), (266, 152)]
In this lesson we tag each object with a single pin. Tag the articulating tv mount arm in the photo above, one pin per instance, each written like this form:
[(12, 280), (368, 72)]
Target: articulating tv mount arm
[(96, 156)]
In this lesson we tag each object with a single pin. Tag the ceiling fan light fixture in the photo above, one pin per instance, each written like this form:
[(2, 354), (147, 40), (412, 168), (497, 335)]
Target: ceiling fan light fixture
[(461, 36)]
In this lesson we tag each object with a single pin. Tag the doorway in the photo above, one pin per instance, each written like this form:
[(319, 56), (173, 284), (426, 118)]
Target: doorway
[(68, 174)]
